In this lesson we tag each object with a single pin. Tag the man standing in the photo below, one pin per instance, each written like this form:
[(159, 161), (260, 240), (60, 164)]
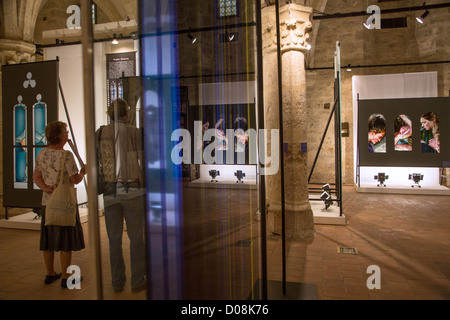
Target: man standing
[(121, 156)]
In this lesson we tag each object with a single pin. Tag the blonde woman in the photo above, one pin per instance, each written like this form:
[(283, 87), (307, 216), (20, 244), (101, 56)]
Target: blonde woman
[(57, 238)]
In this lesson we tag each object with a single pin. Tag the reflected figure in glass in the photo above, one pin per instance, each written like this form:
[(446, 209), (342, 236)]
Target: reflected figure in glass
[(121, 156)]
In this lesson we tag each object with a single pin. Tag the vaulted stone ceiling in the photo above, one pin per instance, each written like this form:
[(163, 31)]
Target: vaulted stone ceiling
[(21, 16)]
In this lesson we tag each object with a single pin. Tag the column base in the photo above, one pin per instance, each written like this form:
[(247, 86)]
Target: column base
[(299, 223)]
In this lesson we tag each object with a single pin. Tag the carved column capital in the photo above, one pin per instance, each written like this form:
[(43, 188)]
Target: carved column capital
[(15, 51), (295, 26)]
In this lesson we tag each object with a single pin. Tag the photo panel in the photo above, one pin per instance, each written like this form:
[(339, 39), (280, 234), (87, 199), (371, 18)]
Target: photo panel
[(416, 132)]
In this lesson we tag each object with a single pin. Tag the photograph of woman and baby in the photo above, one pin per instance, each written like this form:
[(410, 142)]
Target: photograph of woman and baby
[(403, 131)]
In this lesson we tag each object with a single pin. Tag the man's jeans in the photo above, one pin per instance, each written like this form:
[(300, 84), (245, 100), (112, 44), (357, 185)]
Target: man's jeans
[(131, 207)]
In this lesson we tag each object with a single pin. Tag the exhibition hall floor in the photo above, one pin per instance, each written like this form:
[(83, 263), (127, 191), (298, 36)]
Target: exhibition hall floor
[(406, 236)]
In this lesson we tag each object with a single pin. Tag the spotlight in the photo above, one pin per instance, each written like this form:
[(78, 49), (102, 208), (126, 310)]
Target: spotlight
[(39, 51), (381, 177), (326, 188), (422, 17), (192, 38), (416, 177), (134, 35), (214, 174), (231, 36), (239, 175), (326, 198), (115, 41), (156, 209)]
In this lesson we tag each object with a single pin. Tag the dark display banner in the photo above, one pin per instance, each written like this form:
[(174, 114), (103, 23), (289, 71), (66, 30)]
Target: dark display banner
[(412, 132), (30, 101), (118, 66)]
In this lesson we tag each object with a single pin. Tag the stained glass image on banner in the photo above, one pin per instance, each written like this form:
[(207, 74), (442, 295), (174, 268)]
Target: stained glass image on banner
[(39, 123), (20, 142), (377, 133), (430, 133), (403, 133)]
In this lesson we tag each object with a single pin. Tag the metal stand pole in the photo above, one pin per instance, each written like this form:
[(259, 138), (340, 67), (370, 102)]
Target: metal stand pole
[(262, 184), (89, 117), (280, 108)]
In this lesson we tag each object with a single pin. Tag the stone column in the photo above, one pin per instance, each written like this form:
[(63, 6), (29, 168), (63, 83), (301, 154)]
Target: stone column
[(295, 24)]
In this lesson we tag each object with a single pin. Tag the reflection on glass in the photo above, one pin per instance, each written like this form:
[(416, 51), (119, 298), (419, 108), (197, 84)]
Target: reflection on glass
[(430, 134), (403, 133), (121, 157), (377, 133), (20, 141)]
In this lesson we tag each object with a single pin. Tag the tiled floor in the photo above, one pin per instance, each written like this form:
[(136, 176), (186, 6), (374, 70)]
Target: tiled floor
[(406, 236)]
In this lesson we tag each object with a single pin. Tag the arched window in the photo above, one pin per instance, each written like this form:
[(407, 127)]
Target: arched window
[(227, 8)]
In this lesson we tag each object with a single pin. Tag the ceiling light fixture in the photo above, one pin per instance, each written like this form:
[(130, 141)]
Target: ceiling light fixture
[(115, 41)]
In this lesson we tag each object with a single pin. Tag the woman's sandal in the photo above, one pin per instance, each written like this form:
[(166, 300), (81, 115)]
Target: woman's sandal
[(50, 279)]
